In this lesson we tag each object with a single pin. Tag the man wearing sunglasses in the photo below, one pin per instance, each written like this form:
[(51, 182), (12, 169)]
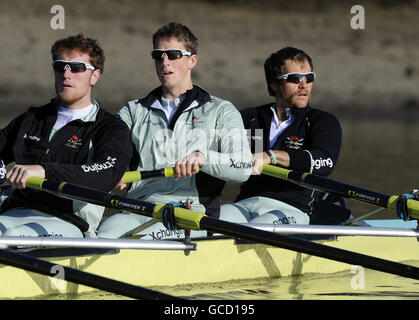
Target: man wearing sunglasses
[(181, 125), (293, 135), (69, 139)]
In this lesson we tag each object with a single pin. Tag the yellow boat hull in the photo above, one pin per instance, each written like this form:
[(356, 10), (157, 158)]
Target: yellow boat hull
[(214, 261)]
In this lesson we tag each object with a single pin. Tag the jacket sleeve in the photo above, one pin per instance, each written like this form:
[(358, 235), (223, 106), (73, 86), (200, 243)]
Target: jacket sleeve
[(112, 150), (322, 148), (229, 158), (8, 137)]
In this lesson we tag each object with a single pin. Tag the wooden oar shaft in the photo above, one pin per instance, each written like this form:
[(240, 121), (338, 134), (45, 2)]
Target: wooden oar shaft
[(32, 264), (343, 189)]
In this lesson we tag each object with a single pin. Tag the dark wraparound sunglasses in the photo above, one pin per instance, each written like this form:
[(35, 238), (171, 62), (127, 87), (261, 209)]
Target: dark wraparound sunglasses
[(296, 77), (74, 66), (171, 54)]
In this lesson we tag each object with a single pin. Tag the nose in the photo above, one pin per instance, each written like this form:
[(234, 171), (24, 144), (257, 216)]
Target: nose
[(164, 60), (67, 71), (303, 83)]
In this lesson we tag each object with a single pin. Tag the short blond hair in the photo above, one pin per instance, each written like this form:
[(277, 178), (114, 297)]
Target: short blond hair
[(179, 32)]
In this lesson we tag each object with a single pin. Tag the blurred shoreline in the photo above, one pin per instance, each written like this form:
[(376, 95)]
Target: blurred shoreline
[(373, 72)]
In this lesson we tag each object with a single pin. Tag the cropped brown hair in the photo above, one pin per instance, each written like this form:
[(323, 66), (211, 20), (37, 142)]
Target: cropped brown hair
[(178, 31), (84, 45), (274, 65)]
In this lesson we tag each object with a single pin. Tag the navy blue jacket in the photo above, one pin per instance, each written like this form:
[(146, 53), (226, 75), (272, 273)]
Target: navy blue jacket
[(313, 142), (92, 153)]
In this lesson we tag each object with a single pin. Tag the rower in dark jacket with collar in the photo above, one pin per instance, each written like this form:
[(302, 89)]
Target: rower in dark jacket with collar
[(288, 133), (69, 139)]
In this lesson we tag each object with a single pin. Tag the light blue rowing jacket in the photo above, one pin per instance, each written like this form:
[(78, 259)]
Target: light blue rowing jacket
[(201, 123)]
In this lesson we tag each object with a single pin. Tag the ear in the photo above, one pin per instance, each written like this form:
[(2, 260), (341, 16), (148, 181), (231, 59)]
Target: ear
[(94, 77), (192, 61), (274, 86)]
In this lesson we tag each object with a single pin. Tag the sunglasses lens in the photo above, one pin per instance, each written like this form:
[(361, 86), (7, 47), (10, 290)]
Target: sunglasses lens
[(309, 77), (78, 67), (156, 55), (174, 54), (58, 66), (294, 78)]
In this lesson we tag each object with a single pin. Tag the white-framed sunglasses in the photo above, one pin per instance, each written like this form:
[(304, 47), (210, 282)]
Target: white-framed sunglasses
[(297, 77), (74, 66), (171, 54)]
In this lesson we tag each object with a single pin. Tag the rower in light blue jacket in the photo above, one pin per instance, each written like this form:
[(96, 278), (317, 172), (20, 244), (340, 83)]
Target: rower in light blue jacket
[(180, 125)]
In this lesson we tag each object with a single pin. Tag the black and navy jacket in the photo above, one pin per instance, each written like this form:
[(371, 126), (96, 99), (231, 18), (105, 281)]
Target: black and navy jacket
[(313, 142), (93, 153)]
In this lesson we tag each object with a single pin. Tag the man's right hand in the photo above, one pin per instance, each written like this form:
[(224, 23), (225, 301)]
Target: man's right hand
[(189, 165), (259, 159), (18, 175)]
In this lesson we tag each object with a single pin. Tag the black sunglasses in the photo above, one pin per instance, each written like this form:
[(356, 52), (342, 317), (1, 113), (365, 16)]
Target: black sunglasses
[(298, 77), (75, 66), (171, 54)]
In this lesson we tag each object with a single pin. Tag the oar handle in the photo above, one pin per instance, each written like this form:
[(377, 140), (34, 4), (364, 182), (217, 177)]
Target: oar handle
[(133, 176)]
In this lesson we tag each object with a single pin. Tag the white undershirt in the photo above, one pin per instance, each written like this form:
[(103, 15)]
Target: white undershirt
[(170, 106), (276, 127), (66, 115)]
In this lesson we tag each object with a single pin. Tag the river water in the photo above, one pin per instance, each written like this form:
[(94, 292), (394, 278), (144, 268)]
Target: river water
[(343, 285)]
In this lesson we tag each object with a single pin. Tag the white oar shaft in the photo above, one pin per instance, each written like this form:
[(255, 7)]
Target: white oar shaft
[(95, 243), (335, 230)]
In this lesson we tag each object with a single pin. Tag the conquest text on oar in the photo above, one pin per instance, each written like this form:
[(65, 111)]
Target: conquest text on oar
[(357, 195), (118, 203)]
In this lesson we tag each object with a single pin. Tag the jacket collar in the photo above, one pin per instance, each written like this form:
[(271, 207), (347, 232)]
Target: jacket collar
[(195, 94), (266, 113), (91, 117), (296, 112), (194, 98)]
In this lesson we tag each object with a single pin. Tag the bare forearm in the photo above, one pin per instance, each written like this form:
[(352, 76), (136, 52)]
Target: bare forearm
[(282, 158)]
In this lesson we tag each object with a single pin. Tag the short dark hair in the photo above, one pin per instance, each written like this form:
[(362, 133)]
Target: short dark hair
[(178, 31), (274, 65), (83, 44)]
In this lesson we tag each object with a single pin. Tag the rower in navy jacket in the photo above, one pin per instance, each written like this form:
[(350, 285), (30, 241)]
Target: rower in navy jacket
[(288, 133), (69, 139)]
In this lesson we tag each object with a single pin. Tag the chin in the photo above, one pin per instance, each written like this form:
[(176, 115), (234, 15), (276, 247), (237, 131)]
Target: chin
[(66, 99), (300, 105)]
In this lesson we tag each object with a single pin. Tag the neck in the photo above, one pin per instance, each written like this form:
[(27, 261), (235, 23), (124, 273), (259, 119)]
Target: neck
[(79, 104), (281, 112), (173, 93)]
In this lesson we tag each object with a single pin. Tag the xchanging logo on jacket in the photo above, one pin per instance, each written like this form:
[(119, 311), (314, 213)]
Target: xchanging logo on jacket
[(96, 167)]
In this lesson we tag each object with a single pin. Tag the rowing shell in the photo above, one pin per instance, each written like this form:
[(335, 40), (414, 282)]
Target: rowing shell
[(214, 260)]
